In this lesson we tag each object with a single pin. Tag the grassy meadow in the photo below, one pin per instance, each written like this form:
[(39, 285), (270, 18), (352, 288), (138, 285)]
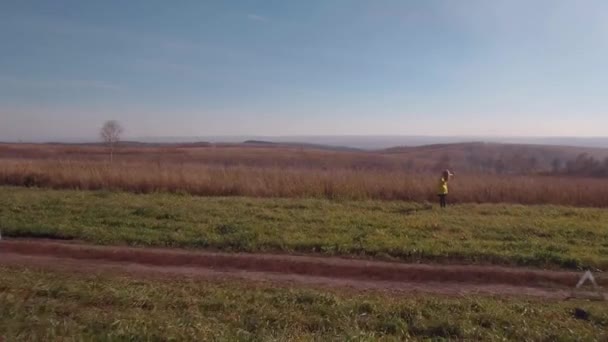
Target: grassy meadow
[(301, 201), (541, 236), (44, 306)]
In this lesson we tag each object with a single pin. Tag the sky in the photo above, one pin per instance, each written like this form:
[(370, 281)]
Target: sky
[(318, 67)]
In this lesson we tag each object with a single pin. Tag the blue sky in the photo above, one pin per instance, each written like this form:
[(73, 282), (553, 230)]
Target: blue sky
[(325, 67)]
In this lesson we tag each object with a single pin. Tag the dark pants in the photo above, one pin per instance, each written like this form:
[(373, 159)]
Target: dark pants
[(442, 200)]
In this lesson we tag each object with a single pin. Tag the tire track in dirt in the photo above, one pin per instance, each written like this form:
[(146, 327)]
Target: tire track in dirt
[(305, 270)]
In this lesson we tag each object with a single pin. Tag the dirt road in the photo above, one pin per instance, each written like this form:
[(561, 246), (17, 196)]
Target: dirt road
[(290, 269)]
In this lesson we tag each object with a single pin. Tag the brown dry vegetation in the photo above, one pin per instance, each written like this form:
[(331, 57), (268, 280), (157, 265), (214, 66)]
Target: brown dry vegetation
[(278, 172), (464, 157)]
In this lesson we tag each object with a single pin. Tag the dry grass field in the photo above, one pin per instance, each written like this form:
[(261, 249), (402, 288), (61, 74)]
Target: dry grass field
[(281, 171)]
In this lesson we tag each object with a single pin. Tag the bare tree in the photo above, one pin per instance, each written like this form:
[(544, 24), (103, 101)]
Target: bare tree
[(110, 133)]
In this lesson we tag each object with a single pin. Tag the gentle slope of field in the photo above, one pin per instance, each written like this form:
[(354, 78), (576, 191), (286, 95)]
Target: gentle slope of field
[(37, 305), (499, 234)]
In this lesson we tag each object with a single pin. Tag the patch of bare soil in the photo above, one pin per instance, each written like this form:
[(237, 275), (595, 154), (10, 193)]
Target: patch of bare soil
[(292, 270)]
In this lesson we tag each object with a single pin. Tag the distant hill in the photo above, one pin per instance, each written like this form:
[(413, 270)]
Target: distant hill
[(377, 142), (364, 142), (247, 143), (496, 157), (464, 157), (262, 143)]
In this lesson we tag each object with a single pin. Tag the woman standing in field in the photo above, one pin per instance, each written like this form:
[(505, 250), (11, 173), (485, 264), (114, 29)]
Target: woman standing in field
[(443, 187)]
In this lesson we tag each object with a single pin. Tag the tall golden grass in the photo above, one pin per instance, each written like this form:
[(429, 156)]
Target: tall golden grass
[(143, 176)]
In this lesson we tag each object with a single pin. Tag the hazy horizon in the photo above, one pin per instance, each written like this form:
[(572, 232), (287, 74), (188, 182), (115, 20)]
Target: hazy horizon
[(319, 68), (352, 141)]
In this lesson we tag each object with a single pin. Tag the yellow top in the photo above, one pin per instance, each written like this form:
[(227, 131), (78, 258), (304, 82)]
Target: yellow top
[(443, 186)]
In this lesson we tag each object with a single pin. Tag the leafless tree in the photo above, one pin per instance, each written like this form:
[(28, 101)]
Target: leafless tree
[(110, 133)]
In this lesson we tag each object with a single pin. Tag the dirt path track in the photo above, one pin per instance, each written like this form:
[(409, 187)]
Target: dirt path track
[(360, 274)]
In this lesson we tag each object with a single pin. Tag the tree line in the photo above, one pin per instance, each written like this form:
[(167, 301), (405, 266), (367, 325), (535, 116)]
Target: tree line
[(583, 165)]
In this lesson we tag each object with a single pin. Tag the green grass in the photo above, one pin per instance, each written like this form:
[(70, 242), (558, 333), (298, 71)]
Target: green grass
[(546, 236), (44, 306)]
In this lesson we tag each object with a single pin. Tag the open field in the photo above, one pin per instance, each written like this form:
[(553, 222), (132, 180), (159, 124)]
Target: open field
[(41, 305), (289, 172), (551, 236), (293, 244), (70, 291), (302, 183)]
